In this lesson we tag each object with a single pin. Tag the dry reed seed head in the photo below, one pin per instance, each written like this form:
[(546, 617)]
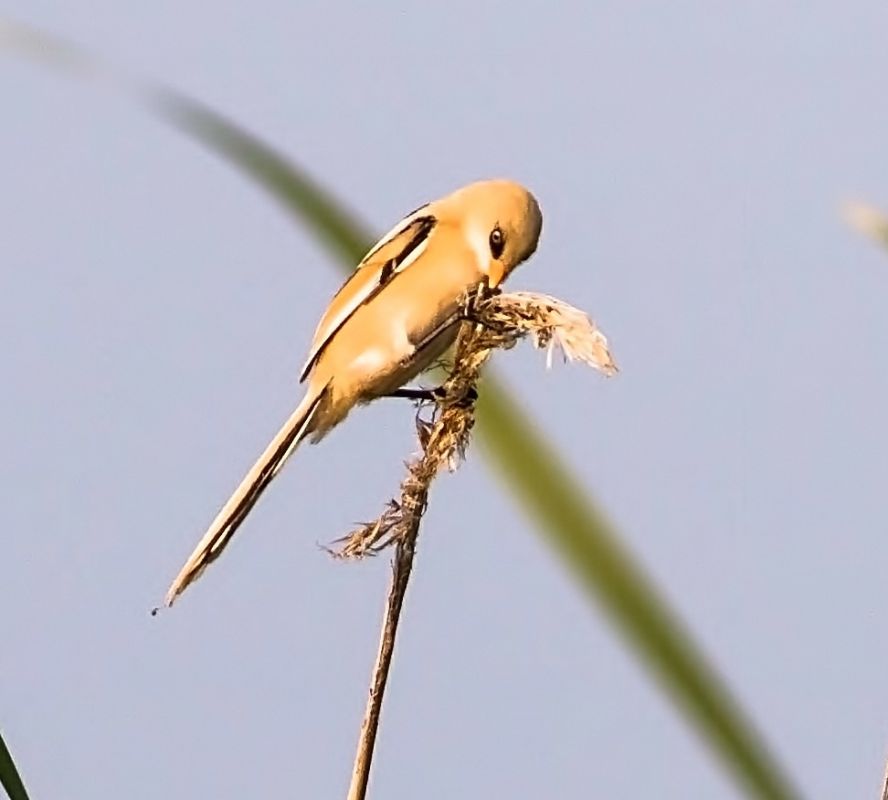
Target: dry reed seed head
[(500, 321), (866, 220), (550, 323), (423, 429)]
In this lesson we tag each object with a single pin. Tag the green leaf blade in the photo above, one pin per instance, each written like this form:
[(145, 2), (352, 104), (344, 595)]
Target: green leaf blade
[(10, 779), (583, 537), (337, 229)]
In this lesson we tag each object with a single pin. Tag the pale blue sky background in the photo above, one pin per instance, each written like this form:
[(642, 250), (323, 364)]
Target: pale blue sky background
[(690, 160)]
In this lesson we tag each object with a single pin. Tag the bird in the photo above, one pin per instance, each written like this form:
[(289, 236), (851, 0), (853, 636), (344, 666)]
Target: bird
[(397, 314)]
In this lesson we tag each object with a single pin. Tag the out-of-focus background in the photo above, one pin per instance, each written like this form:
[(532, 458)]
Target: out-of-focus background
[(690, 161)]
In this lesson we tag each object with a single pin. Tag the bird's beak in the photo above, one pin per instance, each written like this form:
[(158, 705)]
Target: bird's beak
[(495, 274)]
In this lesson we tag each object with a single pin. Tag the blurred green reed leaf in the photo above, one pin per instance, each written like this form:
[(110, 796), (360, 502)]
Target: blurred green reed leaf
[(9, 777)]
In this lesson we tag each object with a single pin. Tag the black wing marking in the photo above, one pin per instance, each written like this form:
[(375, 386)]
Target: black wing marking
[(375, 272)]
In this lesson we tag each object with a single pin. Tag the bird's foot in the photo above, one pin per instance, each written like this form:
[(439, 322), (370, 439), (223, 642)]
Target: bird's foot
[(438, 394)]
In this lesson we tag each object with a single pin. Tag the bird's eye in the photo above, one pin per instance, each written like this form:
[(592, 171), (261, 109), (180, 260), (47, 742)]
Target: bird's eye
[(497, 242)]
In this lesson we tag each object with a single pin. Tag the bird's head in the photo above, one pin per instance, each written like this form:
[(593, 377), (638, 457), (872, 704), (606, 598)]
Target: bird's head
[(501, 221)]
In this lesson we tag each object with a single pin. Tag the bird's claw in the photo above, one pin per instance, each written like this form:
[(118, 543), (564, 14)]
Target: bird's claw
[(438, 394)]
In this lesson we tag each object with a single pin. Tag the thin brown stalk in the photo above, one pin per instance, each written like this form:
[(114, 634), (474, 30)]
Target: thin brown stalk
[(883, 795), (498, 322), (401, 567), (442, 441)]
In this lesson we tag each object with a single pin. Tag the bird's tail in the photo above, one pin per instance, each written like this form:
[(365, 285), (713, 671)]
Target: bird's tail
[(245, 496)]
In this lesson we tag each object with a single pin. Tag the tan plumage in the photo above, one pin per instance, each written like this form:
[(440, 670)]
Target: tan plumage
[(396, 314)]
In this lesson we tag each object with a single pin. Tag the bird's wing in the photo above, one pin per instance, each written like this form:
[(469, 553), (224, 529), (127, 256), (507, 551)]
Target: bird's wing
[(392, 254)]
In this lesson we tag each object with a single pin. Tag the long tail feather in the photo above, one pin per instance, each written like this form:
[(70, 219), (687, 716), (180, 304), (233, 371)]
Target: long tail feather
[(245, 496)]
